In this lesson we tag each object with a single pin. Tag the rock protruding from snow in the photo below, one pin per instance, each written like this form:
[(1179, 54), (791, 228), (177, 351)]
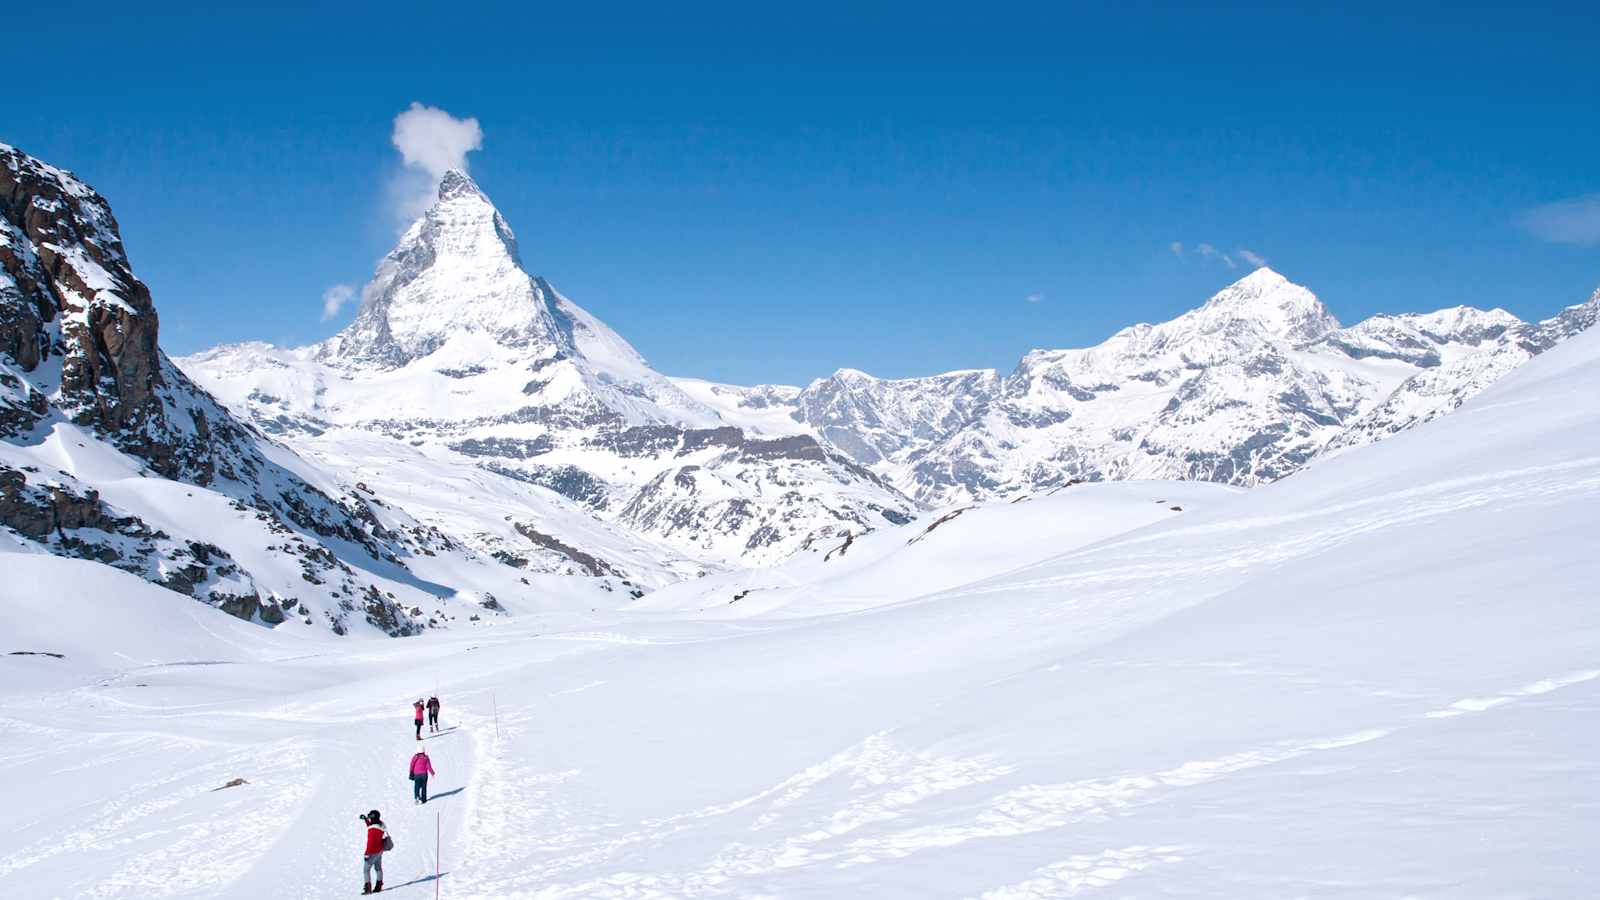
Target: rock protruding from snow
[(69, 302)]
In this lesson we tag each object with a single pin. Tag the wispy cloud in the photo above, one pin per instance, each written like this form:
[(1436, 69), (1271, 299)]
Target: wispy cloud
[(431, 142), (1252, 257), (1210, 252), (1177, 248), (334, 299), (1035, 298), (1575, 221)]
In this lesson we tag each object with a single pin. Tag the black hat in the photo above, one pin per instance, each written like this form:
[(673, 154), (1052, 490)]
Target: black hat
[(374, 815)]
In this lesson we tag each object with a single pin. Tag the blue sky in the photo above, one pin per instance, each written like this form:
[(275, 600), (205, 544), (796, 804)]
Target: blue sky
[(903, 190)]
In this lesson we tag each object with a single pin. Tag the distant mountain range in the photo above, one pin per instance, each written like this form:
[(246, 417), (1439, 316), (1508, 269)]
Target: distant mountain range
[(475, 442), (1246, 389)]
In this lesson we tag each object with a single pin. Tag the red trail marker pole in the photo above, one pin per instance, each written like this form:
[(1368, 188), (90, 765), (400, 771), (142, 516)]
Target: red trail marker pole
[(436, 845)]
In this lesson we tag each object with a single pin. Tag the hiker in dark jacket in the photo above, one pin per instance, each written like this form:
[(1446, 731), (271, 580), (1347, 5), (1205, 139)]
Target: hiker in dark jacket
[(433, 713), (417, 718), (372, 856)]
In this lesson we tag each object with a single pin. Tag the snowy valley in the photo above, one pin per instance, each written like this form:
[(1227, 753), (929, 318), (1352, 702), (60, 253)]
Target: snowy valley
[(1245, 604)]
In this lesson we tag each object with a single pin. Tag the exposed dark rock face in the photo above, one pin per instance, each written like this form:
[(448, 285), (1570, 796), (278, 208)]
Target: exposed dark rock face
[(79, 342), (947, 517), (67, 293), (40, 512), (387, 616), (505, 448), (75, 523), (591, 565), (567, 480)]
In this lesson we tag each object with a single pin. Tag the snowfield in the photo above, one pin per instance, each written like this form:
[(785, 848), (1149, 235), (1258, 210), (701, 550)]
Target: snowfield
[(1376, 678)]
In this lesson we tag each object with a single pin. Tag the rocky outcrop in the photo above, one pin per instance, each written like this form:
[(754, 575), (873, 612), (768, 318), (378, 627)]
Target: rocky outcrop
[(67, 290), (39, 512), (79, 350), (587, 563)]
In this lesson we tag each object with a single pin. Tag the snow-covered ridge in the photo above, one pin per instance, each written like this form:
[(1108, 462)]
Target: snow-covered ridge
[(1247, 388)]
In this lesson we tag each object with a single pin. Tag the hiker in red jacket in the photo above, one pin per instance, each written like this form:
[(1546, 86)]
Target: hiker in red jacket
[(417, 708), (372, 856), (421, 768), (433, 713)]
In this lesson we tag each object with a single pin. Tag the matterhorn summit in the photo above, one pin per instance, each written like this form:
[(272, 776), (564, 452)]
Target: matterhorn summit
[(455, 273), (510, 389), (453, 297)]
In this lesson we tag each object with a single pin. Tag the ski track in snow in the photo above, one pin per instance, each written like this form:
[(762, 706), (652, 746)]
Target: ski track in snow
[(1481, 704), (886, 783), (1127, 579), (303, 787), (165, 818), (301, 798), (1078, 874)]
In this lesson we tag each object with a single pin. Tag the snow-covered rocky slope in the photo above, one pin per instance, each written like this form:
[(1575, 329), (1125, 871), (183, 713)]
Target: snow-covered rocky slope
[(1246, 389), (1377, 678), (458, 352), (109, 452)]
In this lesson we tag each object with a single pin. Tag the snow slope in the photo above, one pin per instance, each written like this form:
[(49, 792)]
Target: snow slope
[(1375, 678), (941, 550)]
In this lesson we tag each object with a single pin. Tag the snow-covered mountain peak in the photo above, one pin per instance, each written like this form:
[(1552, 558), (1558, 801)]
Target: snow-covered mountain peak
[(456, 271), (848, 375), (458, 183), (1280, 308)]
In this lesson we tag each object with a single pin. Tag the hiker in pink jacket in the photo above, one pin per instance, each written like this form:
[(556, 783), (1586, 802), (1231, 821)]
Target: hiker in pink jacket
[(421, 768)]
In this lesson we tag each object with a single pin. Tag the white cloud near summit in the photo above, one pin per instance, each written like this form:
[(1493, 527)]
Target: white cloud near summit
[(431, 142), (1210, 252), (435, 141)]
